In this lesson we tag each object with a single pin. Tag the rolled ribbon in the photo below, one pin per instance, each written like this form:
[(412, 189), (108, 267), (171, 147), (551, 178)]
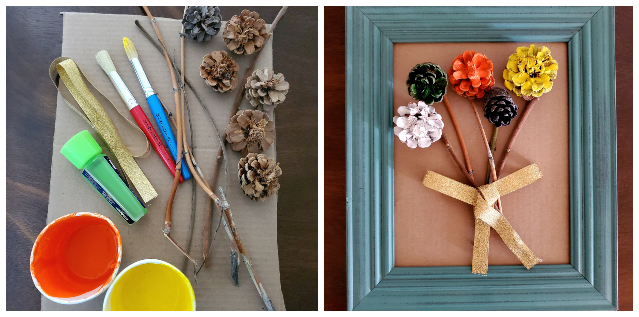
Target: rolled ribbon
[(101, 122), (482, 199)]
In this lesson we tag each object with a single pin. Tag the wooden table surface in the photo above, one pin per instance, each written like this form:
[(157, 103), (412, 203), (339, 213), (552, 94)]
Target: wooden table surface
[(335, 156), (34, 40)]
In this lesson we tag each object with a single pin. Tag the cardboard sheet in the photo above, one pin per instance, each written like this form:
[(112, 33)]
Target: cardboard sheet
[(83, 36), (432, 229)]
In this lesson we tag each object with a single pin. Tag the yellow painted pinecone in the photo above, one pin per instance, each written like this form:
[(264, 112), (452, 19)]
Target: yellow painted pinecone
[(250, 131), (259, 176), (246, 33), (266, 88), (530, 71), (219, 71)]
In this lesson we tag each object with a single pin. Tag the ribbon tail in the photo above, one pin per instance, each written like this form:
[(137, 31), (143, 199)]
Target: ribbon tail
[(510, 237), (480, 247)]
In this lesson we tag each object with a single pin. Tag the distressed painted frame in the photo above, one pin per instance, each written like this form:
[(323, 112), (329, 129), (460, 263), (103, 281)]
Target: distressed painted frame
[(589, 282)]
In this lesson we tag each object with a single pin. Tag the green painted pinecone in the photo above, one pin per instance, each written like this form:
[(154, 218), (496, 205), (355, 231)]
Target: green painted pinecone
[(427, 82), (499, 107), (201, 23)]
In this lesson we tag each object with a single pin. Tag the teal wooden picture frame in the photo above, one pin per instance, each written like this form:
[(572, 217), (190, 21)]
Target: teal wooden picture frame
[(589, 282)]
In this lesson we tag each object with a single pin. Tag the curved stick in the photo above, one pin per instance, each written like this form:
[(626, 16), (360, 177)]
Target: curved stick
[(513, 136)]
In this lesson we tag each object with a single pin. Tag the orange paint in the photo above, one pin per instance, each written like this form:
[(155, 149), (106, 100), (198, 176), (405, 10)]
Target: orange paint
[(76, 254)]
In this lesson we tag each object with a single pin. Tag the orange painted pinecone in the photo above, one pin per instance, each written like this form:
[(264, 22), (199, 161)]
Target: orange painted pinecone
[(471, 74)]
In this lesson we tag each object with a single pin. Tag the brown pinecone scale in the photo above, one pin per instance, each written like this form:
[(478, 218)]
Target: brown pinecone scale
[(259, 176), (219, 71), (250, 131), (266, 88), (246, 33)]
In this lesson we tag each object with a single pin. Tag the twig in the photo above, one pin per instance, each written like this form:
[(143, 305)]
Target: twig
[(469, 168), (493, 147), (457, 161), (515, 132), (221, 205), (491, 160)]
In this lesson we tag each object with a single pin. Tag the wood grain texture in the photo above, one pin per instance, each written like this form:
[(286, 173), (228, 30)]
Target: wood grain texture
[(335, 273), (334, 159), (367, 162), (34, 39), (623, 53)]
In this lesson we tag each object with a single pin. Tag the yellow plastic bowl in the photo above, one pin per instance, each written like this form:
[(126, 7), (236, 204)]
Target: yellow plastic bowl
[(150, 285)]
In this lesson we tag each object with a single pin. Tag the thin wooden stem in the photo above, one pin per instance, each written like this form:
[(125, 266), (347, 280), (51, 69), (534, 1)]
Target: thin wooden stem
[(493, 147), (491, 160), (469, 168), (513, 136), (457, 161)]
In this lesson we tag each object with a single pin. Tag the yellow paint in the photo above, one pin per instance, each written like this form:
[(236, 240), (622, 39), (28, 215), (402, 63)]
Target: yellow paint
[(152, 286)]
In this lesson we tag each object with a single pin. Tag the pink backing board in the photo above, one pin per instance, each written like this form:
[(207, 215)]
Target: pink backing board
[(432, 229)]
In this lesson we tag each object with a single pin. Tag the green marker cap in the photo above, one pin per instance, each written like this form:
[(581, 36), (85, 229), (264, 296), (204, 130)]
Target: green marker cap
[(80, 149)]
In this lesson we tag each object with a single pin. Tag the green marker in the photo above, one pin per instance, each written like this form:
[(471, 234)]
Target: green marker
[(85, 153)]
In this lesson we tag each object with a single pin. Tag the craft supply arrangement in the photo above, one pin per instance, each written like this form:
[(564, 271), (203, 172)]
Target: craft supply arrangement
[(529, 73), (77, 256)]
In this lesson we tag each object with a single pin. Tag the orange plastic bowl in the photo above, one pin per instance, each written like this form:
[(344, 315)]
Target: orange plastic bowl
[(76, 257)]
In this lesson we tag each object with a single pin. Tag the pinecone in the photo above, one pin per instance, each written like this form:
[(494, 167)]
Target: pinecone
[(219, 71), (418, 124), (250, 131), (258, 176), (201, 23), (471, 74), (427, 82), (266, 88), (246, 33), (499, 107)]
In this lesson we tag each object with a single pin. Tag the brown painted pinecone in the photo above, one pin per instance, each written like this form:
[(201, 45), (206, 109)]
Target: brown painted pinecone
[(219, 71), (246, 33), (258, 176), (266, 88), (250, 131)]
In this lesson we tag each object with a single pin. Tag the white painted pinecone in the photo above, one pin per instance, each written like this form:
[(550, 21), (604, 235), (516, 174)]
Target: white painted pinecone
[(418, 124)]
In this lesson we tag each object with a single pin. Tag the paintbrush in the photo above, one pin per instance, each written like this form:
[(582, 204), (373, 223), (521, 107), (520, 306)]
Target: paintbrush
[(104, 60), (154, 103)]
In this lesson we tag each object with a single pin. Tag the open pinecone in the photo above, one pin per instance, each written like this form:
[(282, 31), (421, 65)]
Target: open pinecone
[(219, 71), (246, 33), (266, 88), (427, 82), (250, 131), (499, 107), (258, 176), (201, 23)]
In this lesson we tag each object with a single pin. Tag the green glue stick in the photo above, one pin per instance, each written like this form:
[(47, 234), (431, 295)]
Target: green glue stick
[(85, 153)]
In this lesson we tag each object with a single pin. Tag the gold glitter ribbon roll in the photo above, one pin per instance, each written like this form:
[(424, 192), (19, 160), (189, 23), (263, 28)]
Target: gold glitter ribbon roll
[(482, 199), (98, 118)]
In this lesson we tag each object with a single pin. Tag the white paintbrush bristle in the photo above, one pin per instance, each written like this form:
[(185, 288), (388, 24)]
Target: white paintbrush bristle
[(104, 60), (131, 53)]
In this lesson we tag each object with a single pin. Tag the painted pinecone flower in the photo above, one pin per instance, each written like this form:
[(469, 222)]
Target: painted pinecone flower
[(418, 124), (530, 71), (259, 176), (427, 82), (266, 88), (201, 23), (499, 107), (219, 71), (246, 33), (250, 131), (471, 74)]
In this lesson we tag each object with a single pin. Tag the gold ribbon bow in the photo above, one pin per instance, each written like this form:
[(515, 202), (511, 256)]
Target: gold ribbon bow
[(101, 122), (482, 199)]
